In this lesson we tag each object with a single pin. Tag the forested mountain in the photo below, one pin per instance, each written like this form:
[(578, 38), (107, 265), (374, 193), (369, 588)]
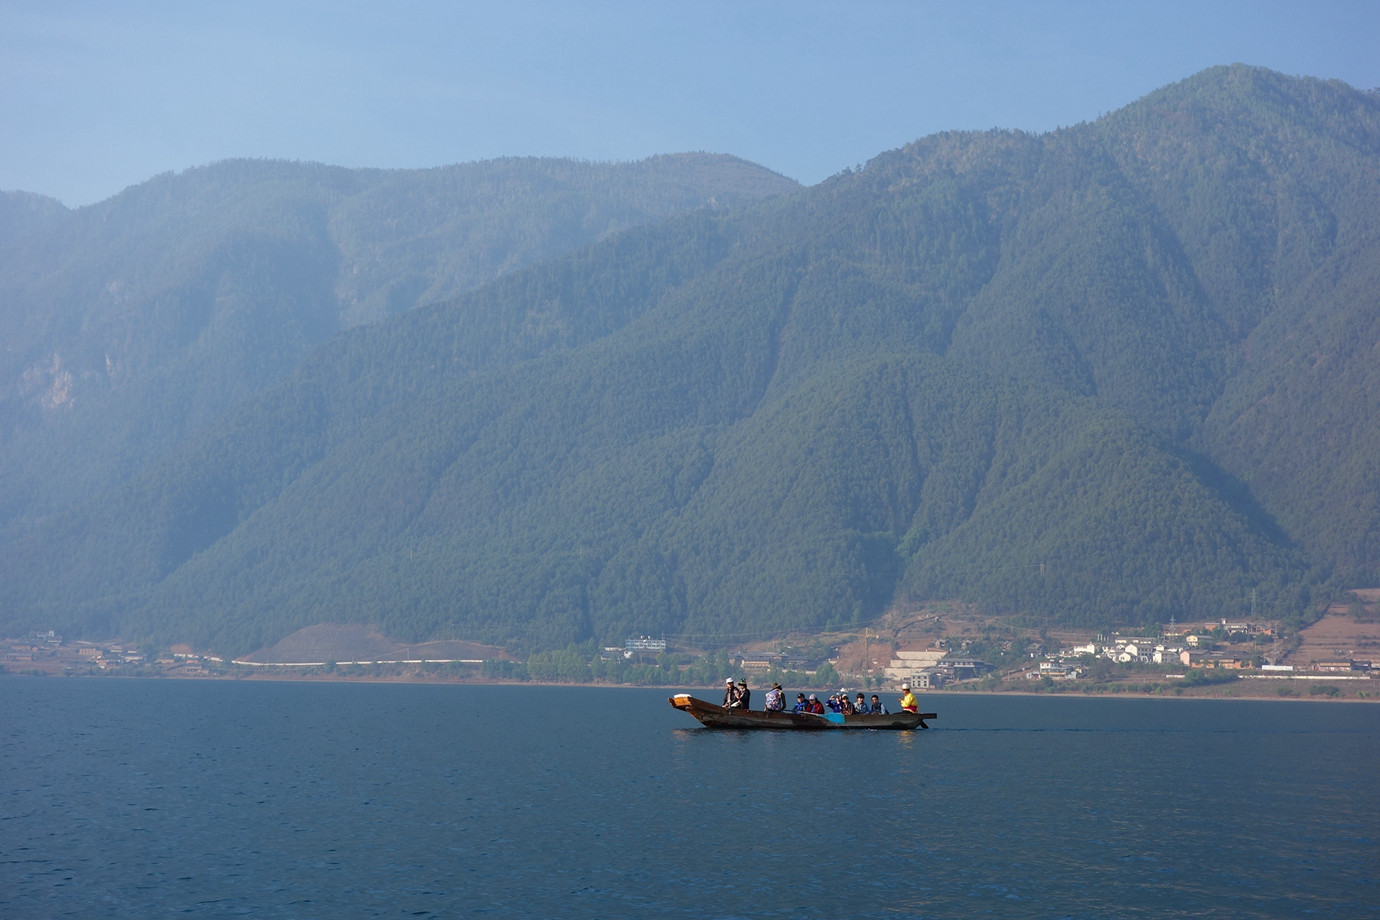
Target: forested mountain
[(1109, 375), (133, 322)]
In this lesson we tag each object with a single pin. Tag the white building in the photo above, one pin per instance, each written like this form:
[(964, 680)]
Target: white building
[(910, 665)]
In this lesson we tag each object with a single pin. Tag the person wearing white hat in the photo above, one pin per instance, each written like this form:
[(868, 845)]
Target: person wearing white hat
[(908, 701)]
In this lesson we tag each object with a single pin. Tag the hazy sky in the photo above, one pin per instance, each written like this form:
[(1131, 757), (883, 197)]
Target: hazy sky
[(96, 96)]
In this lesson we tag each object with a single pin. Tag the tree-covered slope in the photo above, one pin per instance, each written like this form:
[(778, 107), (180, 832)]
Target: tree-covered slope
[(1270, 184), (1114, 374), (131, 323)]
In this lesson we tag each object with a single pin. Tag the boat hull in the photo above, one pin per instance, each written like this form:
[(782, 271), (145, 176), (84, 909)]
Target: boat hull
[(714, 716)]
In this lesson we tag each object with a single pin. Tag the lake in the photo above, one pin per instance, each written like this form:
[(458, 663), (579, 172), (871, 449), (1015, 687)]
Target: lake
[(144, 798)]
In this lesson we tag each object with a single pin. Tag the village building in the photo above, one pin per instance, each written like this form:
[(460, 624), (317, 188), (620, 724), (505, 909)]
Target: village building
[(929, 667)]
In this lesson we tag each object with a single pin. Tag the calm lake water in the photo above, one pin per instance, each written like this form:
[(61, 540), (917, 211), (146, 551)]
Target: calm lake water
[(226, 799)]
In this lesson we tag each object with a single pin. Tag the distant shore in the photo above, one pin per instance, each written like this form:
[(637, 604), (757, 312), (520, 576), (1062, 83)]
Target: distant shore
[(1362, 690)]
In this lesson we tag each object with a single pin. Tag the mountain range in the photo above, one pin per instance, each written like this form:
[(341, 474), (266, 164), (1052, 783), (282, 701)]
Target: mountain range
[(1114, 374)]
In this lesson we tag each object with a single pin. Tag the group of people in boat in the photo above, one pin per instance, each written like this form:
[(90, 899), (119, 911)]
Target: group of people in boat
[(738, 696)]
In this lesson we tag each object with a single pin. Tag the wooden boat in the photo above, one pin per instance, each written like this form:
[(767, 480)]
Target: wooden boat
[(715, 716)]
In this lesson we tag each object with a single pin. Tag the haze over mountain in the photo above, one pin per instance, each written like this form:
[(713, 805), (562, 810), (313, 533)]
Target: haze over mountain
[(1109, 375), (133, 322)]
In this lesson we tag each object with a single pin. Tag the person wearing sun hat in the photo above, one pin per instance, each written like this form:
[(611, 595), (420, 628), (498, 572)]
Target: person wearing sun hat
[(908, 701)]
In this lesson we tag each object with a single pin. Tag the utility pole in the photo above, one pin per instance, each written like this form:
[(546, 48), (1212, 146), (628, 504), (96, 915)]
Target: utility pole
[(867, 656)]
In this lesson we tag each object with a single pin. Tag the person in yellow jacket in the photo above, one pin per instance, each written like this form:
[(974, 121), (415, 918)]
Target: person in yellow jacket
[(908, 701)]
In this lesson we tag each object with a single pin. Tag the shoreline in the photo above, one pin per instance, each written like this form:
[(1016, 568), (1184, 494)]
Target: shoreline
[(1203, 693)]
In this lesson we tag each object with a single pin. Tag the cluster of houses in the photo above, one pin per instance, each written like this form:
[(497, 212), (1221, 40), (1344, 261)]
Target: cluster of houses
[(48, 649), (48, 652), (32, 648), (1178, 648), (1184, 648)]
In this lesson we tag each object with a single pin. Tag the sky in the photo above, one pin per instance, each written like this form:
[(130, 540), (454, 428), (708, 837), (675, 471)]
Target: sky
[(98, 96)]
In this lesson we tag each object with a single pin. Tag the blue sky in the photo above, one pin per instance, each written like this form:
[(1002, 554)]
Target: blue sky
[(98, 96)]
